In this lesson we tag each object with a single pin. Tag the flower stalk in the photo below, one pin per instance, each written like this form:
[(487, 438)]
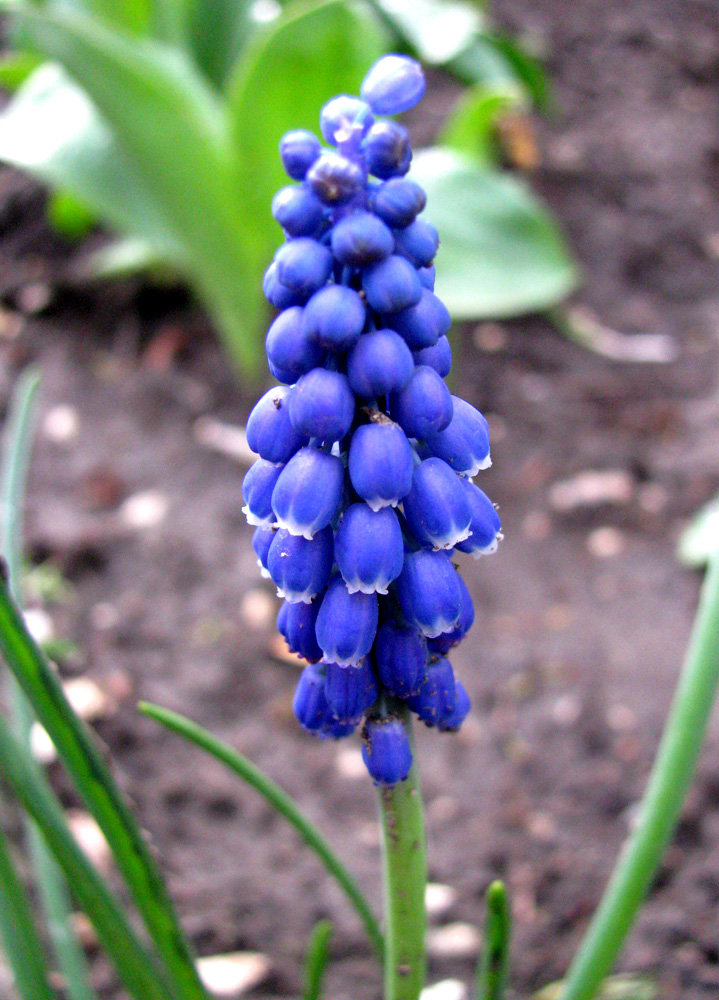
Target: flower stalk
[(405, 879)]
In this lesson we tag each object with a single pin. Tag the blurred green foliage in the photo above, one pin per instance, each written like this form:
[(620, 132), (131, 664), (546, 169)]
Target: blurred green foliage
[(161, 118)]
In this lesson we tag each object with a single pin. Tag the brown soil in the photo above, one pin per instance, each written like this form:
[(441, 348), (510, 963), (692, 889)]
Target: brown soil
[(582, 617)]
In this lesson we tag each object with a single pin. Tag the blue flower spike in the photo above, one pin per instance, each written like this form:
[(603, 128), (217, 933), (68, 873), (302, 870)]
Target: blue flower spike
[(362, 492)]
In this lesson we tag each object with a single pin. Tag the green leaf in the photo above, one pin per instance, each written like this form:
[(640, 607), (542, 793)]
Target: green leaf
[(133, 963), (52, 129), (499, 63), (175, 132), (20, 940), (437, 30), (217, 31), (69, 215), (16, 67), (700, 540), (93, 780), (279, 800), (131, 16), (310, 54), (613, 988), (494, 961), (318, 953), (501, 254), (471, 125), (121, 259)]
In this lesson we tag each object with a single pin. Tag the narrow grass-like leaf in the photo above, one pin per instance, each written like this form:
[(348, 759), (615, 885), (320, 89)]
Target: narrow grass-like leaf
[(93, 781), (494, 961), (20, 940), (133, 962), (51, 886), (318, 953), (502, 253), (279, 800), (313, 52), (700, 539)]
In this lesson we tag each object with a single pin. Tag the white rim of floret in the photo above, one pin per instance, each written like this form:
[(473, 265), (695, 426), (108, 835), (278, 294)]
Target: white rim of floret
[(293, 597), (450, 539), (264, 573), (256, 521), (343, 661), (347, 666), (356, 585), (432, 632), (490, 549), (379, 503), (295, 528)]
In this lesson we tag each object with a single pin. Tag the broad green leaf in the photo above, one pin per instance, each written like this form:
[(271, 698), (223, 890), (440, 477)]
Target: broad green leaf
[(16, 67), (53, 130), (310, 54), (93, 780), (122, 258), (217, 31), (131, 16), (69, 215), (700, 540), (501, 63), (437, 30), (174, 131), (471, 125), (501, 254)]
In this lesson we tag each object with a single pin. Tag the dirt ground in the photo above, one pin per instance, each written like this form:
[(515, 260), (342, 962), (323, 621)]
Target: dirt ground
[(582, 616)]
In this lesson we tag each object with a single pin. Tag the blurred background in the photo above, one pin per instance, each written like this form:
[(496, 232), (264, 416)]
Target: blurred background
[(584, 147)]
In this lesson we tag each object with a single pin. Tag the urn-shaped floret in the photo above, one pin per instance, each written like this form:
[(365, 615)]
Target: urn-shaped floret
[(401, 656), (300, 567), (436, 507), (346, 624), (350, 691), (308, 492), (369, 549), (386, 750), (429, 593), (380, 464)]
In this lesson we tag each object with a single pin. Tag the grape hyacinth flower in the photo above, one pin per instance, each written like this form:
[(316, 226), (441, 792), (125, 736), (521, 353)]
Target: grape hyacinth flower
[(363, 489)]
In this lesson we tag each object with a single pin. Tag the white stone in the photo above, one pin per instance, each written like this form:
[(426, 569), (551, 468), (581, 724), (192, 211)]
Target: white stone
[(61, 423), (234, 973), (456, 940), (447, 989), (144, 510)]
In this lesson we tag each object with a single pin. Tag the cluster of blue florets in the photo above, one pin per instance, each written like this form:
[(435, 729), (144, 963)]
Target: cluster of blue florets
[(363, 487)]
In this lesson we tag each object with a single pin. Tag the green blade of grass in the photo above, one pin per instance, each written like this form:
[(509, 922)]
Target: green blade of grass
[(280, 801), (493, 965), (318, 952), (19, 935), (133, 963), (51, 886), (93, 781)]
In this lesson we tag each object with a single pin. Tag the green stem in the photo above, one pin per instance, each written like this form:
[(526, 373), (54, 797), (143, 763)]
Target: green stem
[(405, 880), (668, 783), (279, 800)]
